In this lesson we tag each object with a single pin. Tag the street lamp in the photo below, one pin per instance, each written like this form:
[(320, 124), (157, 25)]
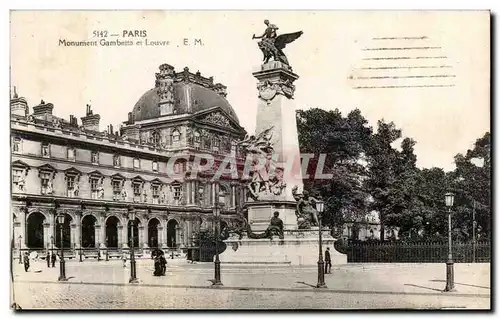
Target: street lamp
[(20, 254), (450, 285), (62, 266), (320, 205), (133, 276), (216, 213)]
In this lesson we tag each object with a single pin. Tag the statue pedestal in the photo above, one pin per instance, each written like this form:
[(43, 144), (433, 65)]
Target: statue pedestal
[(261, 212), (299, 247)]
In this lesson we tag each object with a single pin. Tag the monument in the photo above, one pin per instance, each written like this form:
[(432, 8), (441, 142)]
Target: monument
[(282, 224)]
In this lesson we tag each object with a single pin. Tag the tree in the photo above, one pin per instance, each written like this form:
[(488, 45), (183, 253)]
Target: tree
[(343, 140), (382, 171)]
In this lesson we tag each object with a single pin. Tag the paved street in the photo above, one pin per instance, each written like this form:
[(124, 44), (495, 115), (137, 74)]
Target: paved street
[(102, 285)]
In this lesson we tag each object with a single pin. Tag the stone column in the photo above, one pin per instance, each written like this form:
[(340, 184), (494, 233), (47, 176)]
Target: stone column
[(102, 234), (78, 230), (125, 235), (119, 230), (186, 233), (189, 241), (97, 237), (73, 235), (161, 237), (22, 228), (46, 235), (141, 236)]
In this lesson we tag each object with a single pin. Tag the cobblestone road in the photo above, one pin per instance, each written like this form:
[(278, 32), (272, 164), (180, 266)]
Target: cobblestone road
[(104, 285)]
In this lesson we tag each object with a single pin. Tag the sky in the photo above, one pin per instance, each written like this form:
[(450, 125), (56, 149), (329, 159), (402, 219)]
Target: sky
[(428, 72)]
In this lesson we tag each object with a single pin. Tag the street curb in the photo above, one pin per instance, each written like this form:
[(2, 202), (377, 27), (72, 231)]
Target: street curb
[(322, 290)]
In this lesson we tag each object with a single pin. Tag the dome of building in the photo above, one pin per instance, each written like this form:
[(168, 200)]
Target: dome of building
[(192, 94)]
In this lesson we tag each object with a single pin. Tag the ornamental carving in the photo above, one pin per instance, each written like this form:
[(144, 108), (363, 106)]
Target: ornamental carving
[(268, 90), (217, 119)]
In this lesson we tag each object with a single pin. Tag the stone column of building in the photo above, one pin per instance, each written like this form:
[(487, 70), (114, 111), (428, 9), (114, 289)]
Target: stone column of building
[(185, 229), (22, 228), (49, 229), (189, 226), (142, 236), (120, 235), (102, 235), (97, 237), (161, 241), (78, 230), (188, 191), (73, 235), (125, 234)]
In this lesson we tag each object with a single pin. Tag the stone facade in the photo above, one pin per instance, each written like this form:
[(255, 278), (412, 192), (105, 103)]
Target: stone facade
[(96, 178)]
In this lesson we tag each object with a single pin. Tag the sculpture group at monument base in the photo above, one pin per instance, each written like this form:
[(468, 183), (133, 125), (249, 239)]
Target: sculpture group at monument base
[(298, 247)]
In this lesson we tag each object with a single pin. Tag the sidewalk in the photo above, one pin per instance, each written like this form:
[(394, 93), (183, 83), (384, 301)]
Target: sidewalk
[(470, 279)]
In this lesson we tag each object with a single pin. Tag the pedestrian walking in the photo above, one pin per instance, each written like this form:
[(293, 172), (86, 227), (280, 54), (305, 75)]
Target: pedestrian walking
[(124, 259), (26, 260), (53, 259), (328, 261), (47, 258), (163, 265), (157, 265)]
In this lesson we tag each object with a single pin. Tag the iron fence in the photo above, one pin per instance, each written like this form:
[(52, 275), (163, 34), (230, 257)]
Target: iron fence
[(417, 252)]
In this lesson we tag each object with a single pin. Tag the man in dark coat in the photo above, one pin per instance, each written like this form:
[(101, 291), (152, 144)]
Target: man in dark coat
[(48, 259), (328, 261), (163, 265), (26, 261), (54, 259), (157, 271)]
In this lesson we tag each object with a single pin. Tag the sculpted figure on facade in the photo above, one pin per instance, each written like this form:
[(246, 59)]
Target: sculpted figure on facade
[(50, 188), (21, 183), (76, 189), (100, 192), (123, 193)]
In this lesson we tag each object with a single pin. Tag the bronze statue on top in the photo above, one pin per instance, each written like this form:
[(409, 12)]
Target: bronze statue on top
[(273, 44)]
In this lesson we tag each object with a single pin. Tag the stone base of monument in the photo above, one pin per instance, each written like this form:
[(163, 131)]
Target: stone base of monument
[(299, 247)]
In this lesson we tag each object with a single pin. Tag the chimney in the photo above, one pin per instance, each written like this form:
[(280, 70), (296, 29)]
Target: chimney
[(110, 129), (18, 105), (91, 121), (43, 109), (165, 85), (130, 118)]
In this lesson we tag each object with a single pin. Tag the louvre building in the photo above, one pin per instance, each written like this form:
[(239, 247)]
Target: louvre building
[(94, 177)]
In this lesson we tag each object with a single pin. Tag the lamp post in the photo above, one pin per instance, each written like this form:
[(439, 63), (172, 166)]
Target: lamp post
[(216, 213), (20, 254), (450, 285), (321, 264), (62, 265), (133, 276)]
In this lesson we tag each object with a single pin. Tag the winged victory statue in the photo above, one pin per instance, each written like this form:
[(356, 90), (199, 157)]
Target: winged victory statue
[(272, 44)]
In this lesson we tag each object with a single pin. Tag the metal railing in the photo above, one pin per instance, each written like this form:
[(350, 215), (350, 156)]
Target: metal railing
[(417, 252)]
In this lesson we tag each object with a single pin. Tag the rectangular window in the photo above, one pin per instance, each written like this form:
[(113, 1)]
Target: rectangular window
[(137, 189), (117, 187), (177, 192), (155, 166), (137, 163), (70, 185), (94, 184), (94, 158), (71, 154), (45, 150), (116, 161), (16, 145), (45, 183)]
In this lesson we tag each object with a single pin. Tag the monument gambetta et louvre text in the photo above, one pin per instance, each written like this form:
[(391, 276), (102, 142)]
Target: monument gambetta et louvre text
[(95, 177)]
